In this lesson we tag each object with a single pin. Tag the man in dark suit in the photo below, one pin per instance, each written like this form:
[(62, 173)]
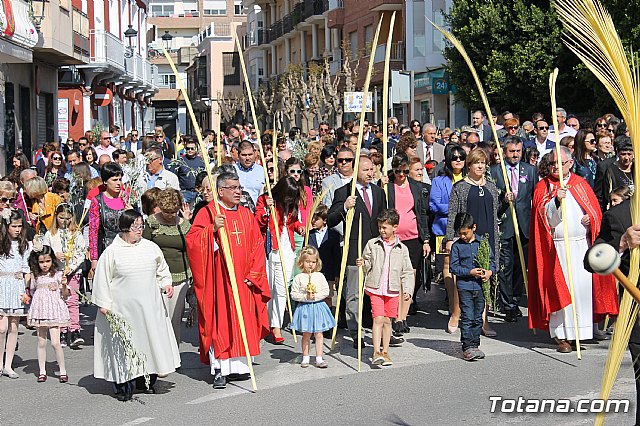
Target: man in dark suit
[(523, 178), (483, 130), (368, 203), (617, 231)]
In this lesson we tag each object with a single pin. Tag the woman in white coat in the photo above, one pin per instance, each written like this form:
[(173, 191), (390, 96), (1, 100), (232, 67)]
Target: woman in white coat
[(129, 278)]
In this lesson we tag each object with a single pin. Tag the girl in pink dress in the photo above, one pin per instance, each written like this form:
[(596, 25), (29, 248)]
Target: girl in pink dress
[(48, 311)]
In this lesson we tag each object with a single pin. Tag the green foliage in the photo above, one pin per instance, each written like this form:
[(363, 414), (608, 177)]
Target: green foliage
[(515, 44), (483, 260)]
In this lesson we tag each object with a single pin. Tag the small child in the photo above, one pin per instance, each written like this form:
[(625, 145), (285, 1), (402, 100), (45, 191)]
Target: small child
[(469, 279), (312, 314), (327, 241), (388, 271), (48, 310), (72, 253), (619, 195)]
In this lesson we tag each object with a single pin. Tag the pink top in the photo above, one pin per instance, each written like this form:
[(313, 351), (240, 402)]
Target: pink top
[(304, 211), (408, 226), (383, 290)]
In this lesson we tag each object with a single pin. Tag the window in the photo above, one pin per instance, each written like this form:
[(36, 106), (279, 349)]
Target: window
[(167, 81), (237, 7), (231, 68), (160, 9), (353, 40), (215, 7), (368, 37), (190, 7), (80, 23), (419, 37)]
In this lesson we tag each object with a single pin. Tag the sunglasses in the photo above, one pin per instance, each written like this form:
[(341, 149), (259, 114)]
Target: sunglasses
[(512, 128), (56, 158), (543, 128), (345, 160), (330, 156), (295, 172), (457, 158), (106, 139), (415, 125), (401, 172), (589, 140), (7, 200), (601, 125), (270, 169), (190, 148)]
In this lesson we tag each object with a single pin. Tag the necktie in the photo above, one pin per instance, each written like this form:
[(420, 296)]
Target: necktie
[(427, 153), (514, 182), (367, 202)]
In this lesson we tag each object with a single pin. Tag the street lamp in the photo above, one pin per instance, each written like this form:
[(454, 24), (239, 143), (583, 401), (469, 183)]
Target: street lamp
[(37, 13), (131, 34), (166, 39)]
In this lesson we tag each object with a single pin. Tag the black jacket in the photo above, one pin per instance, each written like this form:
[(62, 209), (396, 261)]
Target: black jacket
[(420, 192), (527, 182), (330, 252), (338, 215)]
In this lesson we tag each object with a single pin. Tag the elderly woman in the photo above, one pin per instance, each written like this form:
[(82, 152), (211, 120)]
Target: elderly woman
[(328, 159), (105, 211), (129, 279), (168, 231), (44, 203), (480, 198)]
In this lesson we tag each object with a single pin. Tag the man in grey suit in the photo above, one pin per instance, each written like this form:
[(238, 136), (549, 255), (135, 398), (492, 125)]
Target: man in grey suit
[(430, 150), (523, 178), (483, 130), (344, 163)]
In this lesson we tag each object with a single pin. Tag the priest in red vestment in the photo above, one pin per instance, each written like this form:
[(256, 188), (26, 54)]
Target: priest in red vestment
[(221, 343), (550, 306)]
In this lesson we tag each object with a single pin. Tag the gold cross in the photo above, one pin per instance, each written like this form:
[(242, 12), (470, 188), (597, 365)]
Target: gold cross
[(237, 233)]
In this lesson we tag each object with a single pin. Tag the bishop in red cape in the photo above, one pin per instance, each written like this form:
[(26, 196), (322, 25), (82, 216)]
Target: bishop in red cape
[(220, 338), (550, 306)]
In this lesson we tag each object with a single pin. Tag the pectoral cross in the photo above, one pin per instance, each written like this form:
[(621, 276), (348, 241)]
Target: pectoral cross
[(237, 233)]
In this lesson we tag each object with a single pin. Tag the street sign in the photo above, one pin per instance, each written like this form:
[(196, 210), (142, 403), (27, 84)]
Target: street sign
[(102, 96), (353, 102)]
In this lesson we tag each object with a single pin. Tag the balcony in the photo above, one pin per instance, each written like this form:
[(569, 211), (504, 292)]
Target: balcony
[(397, 52), (300, 13), (106, 49)]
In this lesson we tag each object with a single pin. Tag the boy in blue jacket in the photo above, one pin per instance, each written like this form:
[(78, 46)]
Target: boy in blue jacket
[(469, 279)]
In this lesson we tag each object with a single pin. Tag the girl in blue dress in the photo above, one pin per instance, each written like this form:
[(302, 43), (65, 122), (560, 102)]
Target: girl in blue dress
[(312, 315)]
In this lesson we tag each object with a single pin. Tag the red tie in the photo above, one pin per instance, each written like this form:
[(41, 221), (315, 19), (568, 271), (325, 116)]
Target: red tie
[(367, 202), (514, 182)]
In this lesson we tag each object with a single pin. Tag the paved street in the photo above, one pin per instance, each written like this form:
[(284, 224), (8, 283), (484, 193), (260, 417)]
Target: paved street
[(428, 385)]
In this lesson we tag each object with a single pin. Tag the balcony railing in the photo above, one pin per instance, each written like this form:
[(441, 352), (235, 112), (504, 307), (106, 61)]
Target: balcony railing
[(300, 13), (397, 52), (106, 48)]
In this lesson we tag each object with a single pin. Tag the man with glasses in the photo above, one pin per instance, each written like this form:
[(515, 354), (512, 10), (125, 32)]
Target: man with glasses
[(541, 142), (81, 145), (522, 178), (563, 129), (187, 168), (342, 176), (105, 147), (134, 144), (428, 149), (573, 122), (483, 130), (550, 302), (251, 174), (157, 175), (221, 346), (323, 130)]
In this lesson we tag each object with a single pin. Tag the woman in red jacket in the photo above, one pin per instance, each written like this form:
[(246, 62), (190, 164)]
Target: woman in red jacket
[(286, 199)]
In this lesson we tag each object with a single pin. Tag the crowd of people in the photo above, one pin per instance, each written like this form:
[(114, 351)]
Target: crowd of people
[(137, 223)]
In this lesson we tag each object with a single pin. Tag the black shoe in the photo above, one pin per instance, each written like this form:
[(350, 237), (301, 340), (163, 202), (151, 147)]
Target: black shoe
[(405, 327), (413, 309), (362, 343), (511, 316), (395, 341), (518, 313), (398, 328), (63, 339), (235, 377), (219, 381), (75, 340), (150, 391)]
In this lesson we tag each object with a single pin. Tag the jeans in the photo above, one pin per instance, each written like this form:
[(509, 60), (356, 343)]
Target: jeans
[(72, 304), (510, 280), (471, 308)]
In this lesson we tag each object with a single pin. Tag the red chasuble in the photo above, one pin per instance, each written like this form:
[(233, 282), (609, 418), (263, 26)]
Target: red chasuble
[(548, 290), (217, 318)]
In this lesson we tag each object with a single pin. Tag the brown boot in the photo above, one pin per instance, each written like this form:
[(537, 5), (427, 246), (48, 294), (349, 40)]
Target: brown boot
[(564, 347)]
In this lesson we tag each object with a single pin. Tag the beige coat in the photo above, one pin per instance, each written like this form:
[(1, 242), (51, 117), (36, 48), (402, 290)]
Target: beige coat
[(400, 268)]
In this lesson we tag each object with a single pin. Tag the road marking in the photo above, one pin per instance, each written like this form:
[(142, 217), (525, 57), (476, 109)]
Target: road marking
[(138, 421)]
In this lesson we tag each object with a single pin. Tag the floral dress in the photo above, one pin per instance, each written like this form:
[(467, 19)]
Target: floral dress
[(12, 284), (48, 309)]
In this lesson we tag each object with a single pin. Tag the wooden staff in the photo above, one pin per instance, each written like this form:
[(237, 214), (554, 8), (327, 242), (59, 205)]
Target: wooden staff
[(385, 104), (219, 148), (563, 207), (351, 212), (224, 238), (314, 207), (485, 102), (360, 296), (272, 209), (274, 148)]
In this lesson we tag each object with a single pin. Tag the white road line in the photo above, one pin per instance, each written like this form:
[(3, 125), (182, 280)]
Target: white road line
[(138, 421)]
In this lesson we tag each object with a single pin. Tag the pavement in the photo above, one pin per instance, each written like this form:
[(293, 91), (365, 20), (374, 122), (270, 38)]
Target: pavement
[(429, 383)]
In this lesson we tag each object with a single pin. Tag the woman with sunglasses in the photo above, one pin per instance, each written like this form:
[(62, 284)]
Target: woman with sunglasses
[(410, 199), (286, 202), (585, 160), (328, 159), (56, 168), (295, 169), (441, 186), (416, 129)]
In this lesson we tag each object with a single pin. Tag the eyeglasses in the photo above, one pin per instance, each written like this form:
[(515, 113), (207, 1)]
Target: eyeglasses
[(7, 200), (323, 129), (610, 130), (401, 172), (190, 148), (56, 158), (573, 125), (108, 138), (295, 171), (270, 169), (134, 135), (589, 140), (601, 125), (233, 188), (345, 160), (152, 159), (415, 125), (159, 137), (457, 158), (555, 165), (136, 227), (512, 128), (543, 128)]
